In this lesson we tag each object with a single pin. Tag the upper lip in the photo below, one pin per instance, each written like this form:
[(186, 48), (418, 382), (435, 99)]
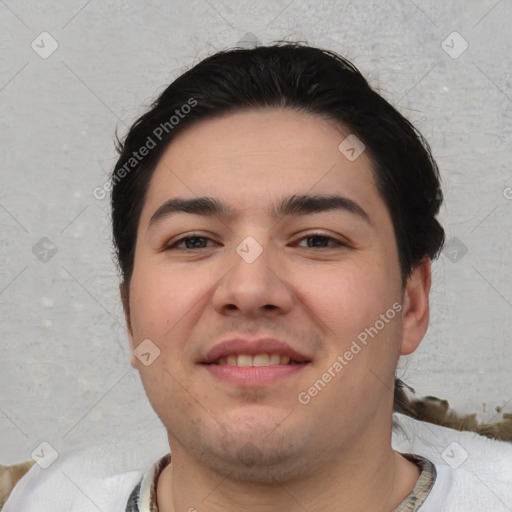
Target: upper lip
[(252, 347)]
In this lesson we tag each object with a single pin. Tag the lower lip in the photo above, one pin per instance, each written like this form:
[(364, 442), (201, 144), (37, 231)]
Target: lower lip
[(254, 375)]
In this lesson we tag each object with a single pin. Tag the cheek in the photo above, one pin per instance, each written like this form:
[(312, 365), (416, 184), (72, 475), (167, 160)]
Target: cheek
[(161, 298), (349, 297), (349, 301), (164, 306)]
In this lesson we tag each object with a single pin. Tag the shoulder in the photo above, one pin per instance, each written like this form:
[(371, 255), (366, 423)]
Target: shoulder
[(474, 473), (99, 476)]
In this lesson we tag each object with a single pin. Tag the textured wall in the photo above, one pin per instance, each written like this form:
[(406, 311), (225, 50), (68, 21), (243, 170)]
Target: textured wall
[(64, 368)]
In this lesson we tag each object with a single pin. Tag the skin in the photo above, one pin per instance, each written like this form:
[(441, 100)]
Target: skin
[(325, 455)]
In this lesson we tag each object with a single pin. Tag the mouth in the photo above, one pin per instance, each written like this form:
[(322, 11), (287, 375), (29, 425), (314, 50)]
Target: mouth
[(258, 360), (253, 363), (261, 352), (254, 376)]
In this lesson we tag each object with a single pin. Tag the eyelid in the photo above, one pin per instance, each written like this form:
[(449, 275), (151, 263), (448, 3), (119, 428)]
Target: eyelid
[(175, 241), (172, 243), (322, 234)]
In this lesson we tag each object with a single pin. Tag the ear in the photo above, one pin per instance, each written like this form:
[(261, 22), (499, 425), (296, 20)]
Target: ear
[(416, 308), (125, 299)]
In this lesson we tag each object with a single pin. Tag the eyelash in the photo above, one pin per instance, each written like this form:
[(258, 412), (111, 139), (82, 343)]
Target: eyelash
[(198, 236)]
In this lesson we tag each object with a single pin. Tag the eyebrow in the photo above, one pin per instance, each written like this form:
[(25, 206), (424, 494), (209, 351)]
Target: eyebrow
[(291, 205)]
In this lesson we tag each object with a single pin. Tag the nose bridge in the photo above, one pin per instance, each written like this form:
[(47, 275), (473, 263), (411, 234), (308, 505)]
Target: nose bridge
[(253, 281), (252, 262)]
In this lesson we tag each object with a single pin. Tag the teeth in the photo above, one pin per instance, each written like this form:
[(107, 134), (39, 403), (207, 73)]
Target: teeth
[(275, 359), (261, 360), (257, 360), (244, 360)]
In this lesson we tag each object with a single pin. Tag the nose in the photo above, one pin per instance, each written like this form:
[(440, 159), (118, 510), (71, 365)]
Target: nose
[(253, 288)]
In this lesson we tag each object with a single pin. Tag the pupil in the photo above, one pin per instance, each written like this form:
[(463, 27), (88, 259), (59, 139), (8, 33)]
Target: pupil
[(321, 238), (189, 243)]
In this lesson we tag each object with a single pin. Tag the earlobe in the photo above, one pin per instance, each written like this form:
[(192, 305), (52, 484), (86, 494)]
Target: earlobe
[(416, 307)]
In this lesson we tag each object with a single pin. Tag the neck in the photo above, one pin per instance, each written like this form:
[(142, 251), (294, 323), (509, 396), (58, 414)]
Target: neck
[(362, 478)]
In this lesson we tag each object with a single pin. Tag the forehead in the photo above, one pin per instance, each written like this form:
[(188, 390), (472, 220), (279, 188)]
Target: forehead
[(255, 157)]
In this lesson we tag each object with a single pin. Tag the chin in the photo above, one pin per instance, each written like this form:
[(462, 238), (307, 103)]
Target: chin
[(259, 464)]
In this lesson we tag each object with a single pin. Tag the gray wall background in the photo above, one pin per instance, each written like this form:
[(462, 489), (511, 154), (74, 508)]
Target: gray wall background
[(65, 376)]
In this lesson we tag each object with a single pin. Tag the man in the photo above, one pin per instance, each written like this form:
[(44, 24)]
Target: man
[(275, 222)]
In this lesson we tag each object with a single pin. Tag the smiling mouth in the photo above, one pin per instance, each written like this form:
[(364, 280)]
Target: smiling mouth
[(258, 360), (248, 371)]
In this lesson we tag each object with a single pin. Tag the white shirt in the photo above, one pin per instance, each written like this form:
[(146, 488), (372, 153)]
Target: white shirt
[(474, 473)]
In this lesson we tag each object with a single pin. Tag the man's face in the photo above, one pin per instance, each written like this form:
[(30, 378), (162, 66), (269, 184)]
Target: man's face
[(316, 295)]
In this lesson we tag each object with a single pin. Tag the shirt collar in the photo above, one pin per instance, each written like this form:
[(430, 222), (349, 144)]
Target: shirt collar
[(143, 496)]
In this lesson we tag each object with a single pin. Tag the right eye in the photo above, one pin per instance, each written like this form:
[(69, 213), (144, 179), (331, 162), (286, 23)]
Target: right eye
[(185, 239)]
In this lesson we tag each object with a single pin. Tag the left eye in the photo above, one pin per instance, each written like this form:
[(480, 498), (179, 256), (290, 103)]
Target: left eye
[(319, 241), (323, 238)]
